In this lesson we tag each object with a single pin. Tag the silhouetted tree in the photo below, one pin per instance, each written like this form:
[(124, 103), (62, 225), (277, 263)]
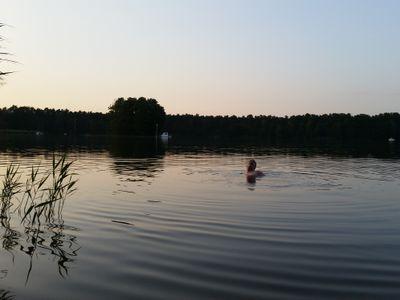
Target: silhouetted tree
[(136, 116)]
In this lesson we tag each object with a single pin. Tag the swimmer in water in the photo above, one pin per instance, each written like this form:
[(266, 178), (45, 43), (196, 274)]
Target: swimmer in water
[(252, 173)]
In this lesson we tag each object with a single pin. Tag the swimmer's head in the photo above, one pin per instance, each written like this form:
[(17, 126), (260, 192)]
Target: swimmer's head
[(251, 165)]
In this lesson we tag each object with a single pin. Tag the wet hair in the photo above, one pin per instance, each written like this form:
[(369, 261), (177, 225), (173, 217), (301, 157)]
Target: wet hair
[(251, 165)]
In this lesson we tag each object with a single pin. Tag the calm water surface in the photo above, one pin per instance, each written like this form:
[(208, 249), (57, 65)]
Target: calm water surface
[(181, 222)]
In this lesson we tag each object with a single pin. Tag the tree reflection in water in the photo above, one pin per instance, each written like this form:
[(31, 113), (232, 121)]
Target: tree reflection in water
[(137, 159)]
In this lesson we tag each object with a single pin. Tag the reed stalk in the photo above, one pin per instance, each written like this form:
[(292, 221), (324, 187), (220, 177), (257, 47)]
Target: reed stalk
[(44, 194)]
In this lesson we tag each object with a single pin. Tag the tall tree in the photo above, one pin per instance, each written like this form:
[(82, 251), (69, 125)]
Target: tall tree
[(136, 116)]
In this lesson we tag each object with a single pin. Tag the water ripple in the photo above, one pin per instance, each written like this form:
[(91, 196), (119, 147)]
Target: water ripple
[(188, 226)]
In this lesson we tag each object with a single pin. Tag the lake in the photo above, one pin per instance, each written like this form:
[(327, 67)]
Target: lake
[(179, 221)]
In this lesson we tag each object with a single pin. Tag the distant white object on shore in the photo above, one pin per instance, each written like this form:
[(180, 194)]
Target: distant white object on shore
[(165, 136), (391, 140), (39, 133)]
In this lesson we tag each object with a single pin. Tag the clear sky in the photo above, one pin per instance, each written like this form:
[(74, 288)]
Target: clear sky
[(208, 57)]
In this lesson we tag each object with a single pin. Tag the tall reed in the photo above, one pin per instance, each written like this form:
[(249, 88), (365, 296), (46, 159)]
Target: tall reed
[(44, 194), (41, 199), (11, 186), (45, 197)]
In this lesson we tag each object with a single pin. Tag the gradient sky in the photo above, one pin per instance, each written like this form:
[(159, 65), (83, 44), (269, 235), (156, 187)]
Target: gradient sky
[(207, 57)]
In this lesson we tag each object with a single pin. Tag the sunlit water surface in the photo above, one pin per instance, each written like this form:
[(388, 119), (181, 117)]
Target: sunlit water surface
[(183, 223)]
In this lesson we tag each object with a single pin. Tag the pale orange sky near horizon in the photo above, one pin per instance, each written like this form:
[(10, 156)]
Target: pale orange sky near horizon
[(205, 57)]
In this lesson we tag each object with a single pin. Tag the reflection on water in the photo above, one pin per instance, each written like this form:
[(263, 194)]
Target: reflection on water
[(50, 241), (39, 242), (31, 219), (6, 295), (137, 160), (181, 222)]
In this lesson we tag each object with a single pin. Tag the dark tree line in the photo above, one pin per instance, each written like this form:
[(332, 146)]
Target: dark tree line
[(53, 121), (140, 116), (271, 128)]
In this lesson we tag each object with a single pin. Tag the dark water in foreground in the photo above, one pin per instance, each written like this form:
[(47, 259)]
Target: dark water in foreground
[(324, 223)]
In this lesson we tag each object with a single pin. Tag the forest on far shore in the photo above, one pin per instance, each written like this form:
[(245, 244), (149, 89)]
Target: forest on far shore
[(145, 117)]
